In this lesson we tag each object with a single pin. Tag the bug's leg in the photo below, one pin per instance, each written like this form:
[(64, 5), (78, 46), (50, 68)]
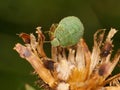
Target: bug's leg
[(61, 53), (54, 53)]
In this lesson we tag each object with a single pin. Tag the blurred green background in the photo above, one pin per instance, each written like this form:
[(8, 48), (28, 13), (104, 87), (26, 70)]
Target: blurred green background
[(18, 16)]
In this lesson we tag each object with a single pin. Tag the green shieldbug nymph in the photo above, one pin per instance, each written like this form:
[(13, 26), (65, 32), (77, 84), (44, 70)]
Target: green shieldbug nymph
[(68, 32)]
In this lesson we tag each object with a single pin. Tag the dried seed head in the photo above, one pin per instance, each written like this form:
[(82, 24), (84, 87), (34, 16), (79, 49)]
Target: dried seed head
[(73, 68)]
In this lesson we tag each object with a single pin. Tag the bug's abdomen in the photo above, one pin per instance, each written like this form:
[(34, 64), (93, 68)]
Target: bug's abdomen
[(69, 31)]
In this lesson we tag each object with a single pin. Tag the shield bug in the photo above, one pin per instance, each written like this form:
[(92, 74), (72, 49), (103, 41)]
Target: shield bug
[(68, 32)]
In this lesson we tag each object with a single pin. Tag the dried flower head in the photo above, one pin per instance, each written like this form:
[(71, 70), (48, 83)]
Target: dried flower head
[(73, 68)]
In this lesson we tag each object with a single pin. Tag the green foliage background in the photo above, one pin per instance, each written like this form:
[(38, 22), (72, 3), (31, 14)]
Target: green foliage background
[(18, 16)]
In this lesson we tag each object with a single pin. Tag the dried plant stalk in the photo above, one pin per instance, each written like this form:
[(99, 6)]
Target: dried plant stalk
[(76, 67)]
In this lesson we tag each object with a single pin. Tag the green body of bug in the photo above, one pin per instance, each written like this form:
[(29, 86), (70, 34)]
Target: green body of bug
[(68, 32)]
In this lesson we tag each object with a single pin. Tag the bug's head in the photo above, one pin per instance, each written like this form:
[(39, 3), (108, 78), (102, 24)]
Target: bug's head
[(52, 30), (55, 42)]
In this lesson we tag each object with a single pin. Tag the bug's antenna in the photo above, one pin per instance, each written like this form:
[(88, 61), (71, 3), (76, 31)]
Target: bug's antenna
[(46, 31), (47, 41)]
